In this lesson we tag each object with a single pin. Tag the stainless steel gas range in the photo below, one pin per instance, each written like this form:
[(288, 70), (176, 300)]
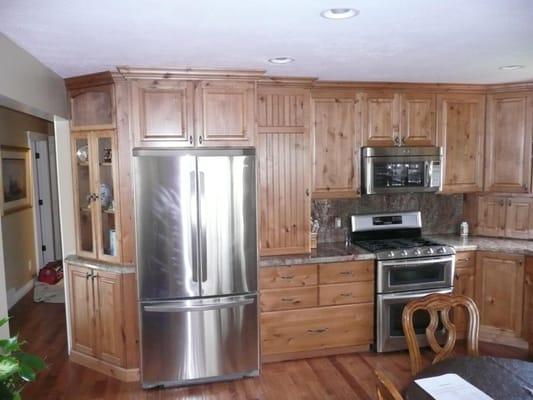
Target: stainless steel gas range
[(408, 266)]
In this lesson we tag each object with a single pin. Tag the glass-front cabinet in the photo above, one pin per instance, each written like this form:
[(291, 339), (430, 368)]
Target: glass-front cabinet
[(96, 197)]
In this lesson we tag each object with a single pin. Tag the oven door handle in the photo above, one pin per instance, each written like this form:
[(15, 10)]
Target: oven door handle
[(416, 261), (411, 295)]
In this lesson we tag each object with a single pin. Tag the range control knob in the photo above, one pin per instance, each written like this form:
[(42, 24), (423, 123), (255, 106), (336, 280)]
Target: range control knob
[(417, 252), (441, 250), (404, 252), (390, 254), (430, 251)]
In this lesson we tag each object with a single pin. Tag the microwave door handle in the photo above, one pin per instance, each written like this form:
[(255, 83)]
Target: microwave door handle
[(427, 173)]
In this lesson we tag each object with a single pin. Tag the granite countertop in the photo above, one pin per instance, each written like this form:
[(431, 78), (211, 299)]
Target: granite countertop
[(100, 265), (338, 252)]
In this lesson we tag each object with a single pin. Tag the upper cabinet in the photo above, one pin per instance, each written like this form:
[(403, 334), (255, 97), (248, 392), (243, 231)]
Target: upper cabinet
[(460, 132), (284, 179), (508, 142), (336, 140), (92, 108), (181, 113), (225, 114), (417, 121), (398, 119), (163, 113)]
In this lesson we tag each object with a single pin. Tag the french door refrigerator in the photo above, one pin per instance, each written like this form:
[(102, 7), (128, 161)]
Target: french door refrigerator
[(197, 265)]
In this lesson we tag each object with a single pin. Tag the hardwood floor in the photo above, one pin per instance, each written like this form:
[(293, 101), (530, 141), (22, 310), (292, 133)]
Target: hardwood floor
[(350, 376)]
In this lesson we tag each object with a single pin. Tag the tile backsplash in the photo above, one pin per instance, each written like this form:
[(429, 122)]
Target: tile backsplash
[(440, 213)]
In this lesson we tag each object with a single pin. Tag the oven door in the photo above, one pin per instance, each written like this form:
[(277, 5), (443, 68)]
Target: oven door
[(415, 274), (389, 330), (401, 174)]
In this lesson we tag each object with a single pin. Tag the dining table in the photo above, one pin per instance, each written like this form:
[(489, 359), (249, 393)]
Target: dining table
[(500, 378)]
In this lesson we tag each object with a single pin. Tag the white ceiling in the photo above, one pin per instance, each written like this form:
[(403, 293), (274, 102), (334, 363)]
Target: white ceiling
[(461, 41)]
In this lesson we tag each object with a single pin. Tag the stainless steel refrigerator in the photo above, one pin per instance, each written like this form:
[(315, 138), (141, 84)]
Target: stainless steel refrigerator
[(196, 241)]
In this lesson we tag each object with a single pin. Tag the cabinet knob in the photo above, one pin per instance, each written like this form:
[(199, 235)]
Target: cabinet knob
[(403, 140), (190, 139), (200, 139), (397, 140), (87, 275)]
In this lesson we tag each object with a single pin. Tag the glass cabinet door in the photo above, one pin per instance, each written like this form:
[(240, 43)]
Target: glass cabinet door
[(84, 196), (108, 232)]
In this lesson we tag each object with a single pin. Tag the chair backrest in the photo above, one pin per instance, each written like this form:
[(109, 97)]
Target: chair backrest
[(386, 389), (441, 304)]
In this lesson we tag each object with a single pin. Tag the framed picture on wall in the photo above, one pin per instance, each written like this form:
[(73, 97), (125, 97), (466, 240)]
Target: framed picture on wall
[(16, 179)]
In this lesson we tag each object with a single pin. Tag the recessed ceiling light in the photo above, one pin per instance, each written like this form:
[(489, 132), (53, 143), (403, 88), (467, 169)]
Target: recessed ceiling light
[(280, 60), (340, 13), (511, 67)]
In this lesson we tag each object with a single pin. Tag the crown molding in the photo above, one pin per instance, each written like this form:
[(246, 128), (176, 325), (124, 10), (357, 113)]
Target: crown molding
[(189, 73)]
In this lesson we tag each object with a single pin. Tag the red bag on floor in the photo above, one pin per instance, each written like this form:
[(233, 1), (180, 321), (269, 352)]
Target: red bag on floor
[(51, 273)]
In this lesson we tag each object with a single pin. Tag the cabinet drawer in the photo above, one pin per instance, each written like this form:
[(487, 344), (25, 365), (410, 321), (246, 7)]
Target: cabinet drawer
[(317, 328), (352, 271), (286, 299), (291, 276), (346, 293), (465, 259)]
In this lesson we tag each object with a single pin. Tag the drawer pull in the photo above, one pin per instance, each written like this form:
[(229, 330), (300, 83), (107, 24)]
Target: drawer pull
[(287, 277), (346, 294), (321, 330), (456, 276), (346, 273), (287, 299), (463, 259)]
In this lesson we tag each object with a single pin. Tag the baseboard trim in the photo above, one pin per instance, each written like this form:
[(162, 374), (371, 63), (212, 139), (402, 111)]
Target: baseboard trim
[(13, 296), (122, 374), (314, 353), (501, 336)]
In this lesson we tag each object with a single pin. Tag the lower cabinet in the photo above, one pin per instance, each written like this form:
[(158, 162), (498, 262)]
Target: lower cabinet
[(464, 284), (527, 328), (499, 295), (103, 320), (310, 310)]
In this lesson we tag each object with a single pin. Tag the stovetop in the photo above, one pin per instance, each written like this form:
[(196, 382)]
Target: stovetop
[(399, 248)]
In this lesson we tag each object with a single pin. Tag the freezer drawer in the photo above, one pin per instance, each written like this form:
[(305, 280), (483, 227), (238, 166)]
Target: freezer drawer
[(199, 340)]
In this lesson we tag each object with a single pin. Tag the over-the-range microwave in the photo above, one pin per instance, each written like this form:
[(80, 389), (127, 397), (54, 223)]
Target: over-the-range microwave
[(401, 169)]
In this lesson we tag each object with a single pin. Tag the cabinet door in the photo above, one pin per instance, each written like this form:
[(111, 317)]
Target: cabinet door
[(464, 285), (499, 290), (508, 142), (460, 132), (528, 303), (517, 218), (163, 113), (92, 108), (108, 313), (82, 318), (84, 194), (381, 119), (335, 136), (418, 119), (491, 216), (107, 210), (225, 114), (284, 170)]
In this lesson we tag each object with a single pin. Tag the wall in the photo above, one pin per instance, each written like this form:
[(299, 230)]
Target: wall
[(23, 79), (18, 228), (440, 213)]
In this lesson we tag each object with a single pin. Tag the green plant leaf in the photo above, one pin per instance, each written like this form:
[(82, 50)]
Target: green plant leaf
[(31, 361), (9, 345), (16, 396), (4, 320), (26, 373), (8, 366)]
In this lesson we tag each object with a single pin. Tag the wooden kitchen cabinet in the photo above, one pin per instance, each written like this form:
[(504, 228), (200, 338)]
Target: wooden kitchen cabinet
[(491, 216), (100, 302), (499, 293), (225, 113), (509, 217), (284, 176), (508, 142), (461, 134), (92, 107), (381, 118), (463, 284), (528, 304), (517, 218), (417, 120), (335, 136), (162, 113)]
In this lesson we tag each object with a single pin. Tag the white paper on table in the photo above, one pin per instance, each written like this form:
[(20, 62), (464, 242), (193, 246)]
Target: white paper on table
[(451, 387)]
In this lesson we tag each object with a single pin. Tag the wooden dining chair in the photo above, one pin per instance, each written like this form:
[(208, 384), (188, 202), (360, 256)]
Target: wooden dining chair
[(441, 304), (385, 388)]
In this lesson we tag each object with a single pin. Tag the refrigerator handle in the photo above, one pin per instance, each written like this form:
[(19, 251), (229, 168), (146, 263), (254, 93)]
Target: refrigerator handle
[(194, 224), (181, 307), (203, 234)]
